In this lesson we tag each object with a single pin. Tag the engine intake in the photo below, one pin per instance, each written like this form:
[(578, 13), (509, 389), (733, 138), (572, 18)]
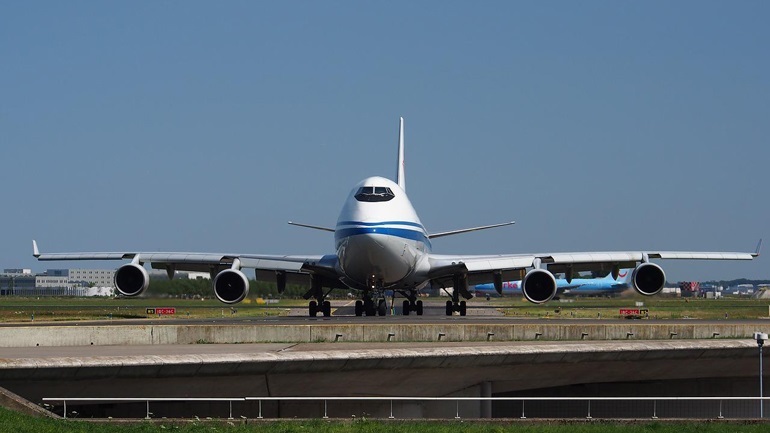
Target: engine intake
[(231, 286), (648, 279), (539, 286), (131, 279)]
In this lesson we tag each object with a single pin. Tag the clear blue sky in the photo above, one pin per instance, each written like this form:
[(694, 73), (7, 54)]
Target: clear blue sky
[(206, 126)]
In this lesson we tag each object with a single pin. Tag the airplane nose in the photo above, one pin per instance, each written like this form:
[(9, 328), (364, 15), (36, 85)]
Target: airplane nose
[(372, 255)]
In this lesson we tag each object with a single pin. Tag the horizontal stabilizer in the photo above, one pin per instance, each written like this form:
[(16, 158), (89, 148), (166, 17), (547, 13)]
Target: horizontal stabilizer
[(326, 229)]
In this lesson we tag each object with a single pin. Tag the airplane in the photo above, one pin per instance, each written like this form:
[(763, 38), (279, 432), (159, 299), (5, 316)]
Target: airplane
[(381, 245), (607, 286)]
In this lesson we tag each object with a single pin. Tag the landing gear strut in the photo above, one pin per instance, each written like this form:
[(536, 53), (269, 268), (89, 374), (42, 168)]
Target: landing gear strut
[(319, 305)]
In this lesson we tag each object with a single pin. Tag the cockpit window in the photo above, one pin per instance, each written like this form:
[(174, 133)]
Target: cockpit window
[(374, 193)]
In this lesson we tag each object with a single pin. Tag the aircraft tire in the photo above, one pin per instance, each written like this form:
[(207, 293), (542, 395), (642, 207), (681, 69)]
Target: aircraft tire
[(463, 308), (313, 308), (382, 308), (405, 309), (359, 309), (327, 309), (369, 308), (419, 308), (449, 308)]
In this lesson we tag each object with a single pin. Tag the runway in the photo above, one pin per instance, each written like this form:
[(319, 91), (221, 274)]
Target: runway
[(428, 319)]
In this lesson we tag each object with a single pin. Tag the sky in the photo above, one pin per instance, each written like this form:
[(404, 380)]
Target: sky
[(206, 126)]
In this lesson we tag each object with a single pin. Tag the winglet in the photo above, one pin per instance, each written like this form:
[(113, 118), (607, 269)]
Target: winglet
[(35, 250), (759, 248), (400, 178)]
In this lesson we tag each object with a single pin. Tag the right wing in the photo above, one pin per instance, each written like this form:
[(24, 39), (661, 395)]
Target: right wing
[(506, 267)]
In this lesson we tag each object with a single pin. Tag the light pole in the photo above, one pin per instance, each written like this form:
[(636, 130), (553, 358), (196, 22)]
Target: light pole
[(760, 337)]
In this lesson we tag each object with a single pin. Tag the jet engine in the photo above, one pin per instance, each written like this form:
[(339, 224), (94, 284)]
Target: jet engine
[(648, 279), (231, 286), (131, 279), (539, 286)]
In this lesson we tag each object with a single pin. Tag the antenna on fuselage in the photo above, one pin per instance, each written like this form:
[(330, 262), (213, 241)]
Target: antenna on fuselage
[(400, 178)]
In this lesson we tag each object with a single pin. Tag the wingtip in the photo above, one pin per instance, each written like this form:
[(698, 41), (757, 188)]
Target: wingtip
[(759, 248), (35, 250)]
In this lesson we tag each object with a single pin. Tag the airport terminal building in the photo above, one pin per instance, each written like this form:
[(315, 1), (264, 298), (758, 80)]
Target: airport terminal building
[(54, 282)]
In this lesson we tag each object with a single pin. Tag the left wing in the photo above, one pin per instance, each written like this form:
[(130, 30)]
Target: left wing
[(291, 269)]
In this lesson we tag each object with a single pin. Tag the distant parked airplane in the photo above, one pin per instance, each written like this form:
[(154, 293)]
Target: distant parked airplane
[(606, 286)]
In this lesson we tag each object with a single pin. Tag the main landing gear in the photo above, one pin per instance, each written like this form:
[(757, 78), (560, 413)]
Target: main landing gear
[(460, 288), (369, 307), (320, 304), (411, 305), (324, 308), (460, 307)]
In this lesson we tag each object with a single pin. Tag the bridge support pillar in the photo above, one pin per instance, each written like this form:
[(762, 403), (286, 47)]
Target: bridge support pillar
[(485, 390)]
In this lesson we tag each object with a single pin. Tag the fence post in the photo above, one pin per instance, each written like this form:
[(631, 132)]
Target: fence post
[(589, 410), (720, 410), (147, 415), (260, 410), (391, 410), (65, 409), (325, 416), (522, 410), (655, 409), (457, 414)]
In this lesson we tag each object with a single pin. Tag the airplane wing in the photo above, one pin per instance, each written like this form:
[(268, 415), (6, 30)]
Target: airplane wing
[(483, 269), (297, 268)]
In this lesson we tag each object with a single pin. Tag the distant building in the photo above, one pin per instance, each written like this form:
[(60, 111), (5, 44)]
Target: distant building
[(57, 282), (11, 282), (47, 281), (92, 277), (17, 271)]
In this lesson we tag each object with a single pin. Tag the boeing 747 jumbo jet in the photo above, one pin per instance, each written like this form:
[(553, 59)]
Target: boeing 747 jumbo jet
[(381, 245)]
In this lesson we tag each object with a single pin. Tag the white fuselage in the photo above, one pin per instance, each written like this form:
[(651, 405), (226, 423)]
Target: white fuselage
[(380, 241)]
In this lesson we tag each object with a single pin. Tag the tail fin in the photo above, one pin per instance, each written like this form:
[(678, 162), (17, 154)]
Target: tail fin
[(624, 275), (400, 178)]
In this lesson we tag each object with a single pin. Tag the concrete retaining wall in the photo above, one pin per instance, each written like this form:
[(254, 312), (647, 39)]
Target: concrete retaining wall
[(30, 336)]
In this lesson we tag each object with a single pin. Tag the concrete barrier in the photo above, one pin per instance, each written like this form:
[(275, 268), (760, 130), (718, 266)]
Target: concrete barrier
[(133, 334)]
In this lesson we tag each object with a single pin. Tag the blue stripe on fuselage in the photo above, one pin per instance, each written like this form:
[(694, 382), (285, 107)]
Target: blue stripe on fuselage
[(401, 233)]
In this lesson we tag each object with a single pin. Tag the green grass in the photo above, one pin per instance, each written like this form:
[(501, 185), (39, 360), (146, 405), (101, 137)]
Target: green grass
[(20, 309), (659, 308), (23, 309), (13, 422)]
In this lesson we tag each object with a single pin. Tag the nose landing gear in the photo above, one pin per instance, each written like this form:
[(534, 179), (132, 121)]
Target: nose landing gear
[(369, 307)]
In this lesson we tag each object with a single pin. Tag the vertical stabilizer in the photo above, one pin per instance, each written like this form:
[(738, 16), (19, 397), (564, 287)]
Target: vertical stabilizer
[(400, 179)]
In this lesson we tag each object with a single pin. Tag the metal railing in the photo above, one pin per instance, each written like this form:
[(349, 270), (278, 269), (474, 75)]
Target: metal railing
[(750, 404)]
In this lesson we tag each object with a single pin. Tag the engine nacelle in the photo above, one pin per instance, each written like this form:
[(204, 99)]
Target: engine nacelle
[(131, 279), (231, 286), (539, 286), (648, 279)]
